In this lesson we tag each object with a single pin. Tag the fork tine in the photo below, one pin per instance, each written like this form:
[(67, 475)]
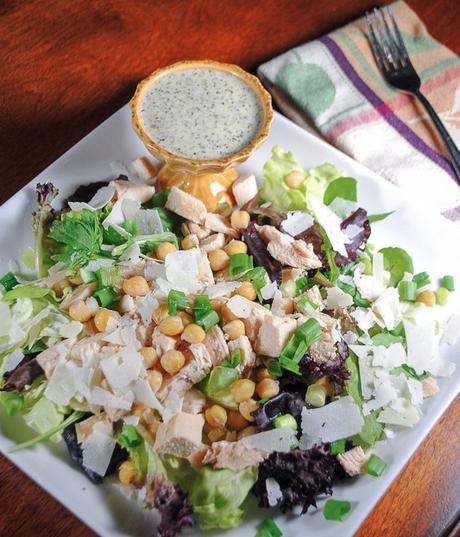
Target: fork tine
[(401, 45), (375, 44), (383, 39), (396, 54)]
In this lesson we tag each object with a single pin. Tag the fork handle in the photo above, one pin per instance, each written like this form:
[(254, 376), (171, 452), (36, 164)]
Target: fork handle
[(448, 142)]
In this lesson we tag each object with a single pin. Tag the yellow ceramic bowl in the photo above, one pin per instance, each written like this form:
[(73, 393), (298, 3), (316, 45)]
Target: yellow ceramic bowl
[(209, 180)]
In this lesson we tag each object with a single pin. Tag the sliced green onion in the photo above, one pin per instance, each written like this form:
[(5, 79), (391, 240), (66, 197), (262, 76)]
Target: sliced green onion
[(421, 279), (301, 284), (176, 300), (375, 466), (257, 273), (347, 288), (304, 304), (274, 368), (442, 296), (407, 291), (448, 282), (359, 301), (285, 420), (288, 289), (268, 528), (130, 226), (240, 263), (337, 447), (289, 365), (13, 403), (76, 416), (107, 276), (336, 510), (201, 306), (129, 437), (105, 296), (310, 331), (9, 281), (316, 395), (208, 320)]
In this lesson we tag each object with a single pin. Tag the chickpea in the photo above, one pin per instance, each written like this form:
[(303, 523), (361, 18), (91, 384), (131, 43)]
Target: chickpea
[(189, 242), (106, 319), (216, 304), (235, 421), (171, 326), (218, 259), (216, 416), (326, 384), (231, 436), (150, 356), (163, 249), (246, 290), (216, 434), (160, 313), (246, 407), (263, 373), (247, 431), (427, 297), (236, 247), (234, 329), (186, 317), (240, 219), (243, 390), (294, 179), (172, 361), (136, 286), (267, 388), (226, 314), (193, 333), (59, 287), (79, 311), (127, 472), (155, 379)]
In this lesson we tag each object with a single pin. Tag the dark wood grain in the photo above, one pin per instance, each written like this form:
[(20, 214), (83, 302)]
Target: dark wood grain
[(66, 66)]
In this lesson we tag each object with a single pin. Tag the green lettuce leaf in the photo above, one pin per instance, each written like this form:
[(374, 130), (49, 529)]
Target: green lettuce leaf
[(44, 416), (343, 187), (397, 261)]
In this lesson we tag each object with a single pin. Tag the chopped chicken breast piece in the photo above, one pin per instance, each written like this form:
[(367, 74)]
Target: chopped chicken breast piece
[(213, 242), (49, 358), (162, 343), (133, 191), (232, 455), (216, 345), (186, 205), (430, 387), (244, 189), (324, 349), (194, 402), (181, 436), (252, 314), (217, 223), (291, 252), (352, 460), (190, 228), (248, 356), (274, 333), (82, 292)]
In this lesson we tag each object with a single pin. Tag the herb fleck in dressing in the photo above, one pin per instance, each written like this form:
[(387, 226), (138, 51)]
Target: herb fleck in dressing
[(203, 114)]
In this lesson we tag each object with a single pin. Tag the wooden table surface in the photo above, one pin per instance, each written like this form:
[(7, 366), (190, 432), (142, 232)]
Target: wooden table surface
[(67, 65)]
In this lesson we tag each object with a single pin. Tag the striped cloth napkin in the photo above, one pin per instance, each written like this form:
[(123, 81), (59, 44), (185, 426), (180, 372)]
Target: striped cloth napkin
[(333, 85)]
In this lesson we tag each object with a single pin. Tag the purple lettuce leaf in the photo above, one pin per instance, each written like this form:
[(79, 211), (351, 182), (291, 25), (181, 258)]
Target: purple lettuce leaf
[(258, 249), (23, 374), (175, 511), (358, 218), (313, 236), (285, 402), (335, 369), (84, 193), (301, 475)]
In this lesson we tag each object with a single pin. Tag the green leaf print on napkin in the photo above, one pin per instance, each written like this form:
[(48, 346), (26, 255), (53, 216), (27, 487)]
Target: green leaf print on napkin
[(309, 86)]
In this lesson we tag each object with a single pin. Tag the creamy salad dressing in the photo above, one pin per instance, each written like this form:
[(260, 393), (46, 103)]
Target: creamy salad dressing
[(203, 114)]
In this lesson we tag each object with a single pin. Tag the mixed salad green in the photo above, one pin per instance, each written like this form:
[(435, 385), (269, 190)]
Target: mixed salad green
[(203, 357)]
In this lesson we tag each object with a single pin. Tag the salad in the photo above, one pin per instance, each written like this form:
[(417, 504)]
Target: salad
[(202, 358)]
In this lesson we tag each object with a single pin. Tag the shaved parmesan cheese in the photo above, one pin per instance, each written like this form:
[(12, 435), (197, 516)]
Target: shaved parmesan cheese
[(334, 421), (13, 360), (416, 391), (352, 230), (102, 397), (407, 417), (421, 341), (127, 304), (148, 222), (336, 298), (383, 394), (274, 440), (97, 448), (452, 329), (182, 269), (273, 491), (389, 357), (364, 318), (115, 217), (343, 208), (268, 291), (296, 222), (132, 253), (121, 369), (221, 289), (387, 308), (172, 405), (369, 287), (144, 394), (330, 222), (154, 270), (103, 196), (80, 206), (130, 208), (377, 266), (71, 330), (146, 306), (63, 383)]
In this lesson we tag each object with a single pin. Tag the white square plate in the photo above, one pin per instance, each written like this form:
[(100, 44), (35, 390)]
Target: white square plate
[(432, 241)]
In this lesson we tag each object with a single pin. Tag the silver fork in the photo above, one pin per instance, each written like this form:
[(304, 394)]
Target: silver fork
[(393, 60)]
